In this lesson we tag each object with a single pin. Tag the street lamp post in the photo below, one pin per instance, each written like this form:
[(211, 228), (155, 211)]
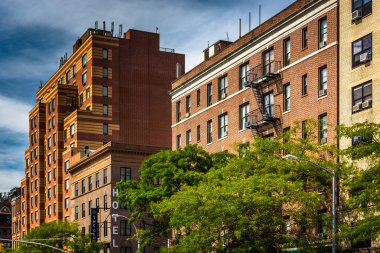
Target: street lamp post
[(115, 216), (333, 212)]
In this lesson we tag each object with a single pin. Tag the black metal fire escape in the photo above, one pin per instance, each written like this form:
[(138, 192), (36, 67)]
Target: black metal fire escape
[(266, 115)]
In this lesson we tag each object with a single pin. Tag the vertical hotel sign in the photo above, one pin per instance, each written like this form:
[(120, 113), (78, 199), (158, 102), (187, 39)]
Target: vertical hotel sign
[(94, 224)]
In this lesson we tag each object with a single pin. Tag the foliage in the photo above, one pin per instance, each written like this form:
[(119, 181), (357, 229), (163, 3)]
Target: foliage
[(61, 235), (222, 202), (361, 218)]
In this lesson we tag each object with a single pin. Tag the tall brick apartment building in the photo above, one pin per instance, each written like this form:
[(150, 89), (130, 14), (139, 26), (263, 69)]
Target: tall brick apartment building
[(111, 90), (283, 71)]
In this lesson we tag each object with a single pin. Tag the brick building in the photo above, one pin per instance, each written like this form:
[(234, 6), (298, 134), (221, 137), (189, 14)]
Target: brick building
[(15, 197), (111, 89), (283, 71), (5, 220)]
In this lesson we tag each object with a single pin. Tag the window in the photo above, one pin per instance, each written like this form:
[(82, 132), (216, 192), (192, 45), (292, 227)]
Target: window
[(105, 91), (362, 97), (105, 110), (286, 52), (76, 212), (72, 130), (89, 207), (54, 156), (322, 127), (223, 125), (67, 165), (322, 32), (362, 51), (97, 179), (74, 70), (178, 111), (286, 97), (322, 223), (76, 189), (97, 203), (304, 85), (305, 38), (36, 216), (125, 174), (67, 184), (125, 228), (304, 130), (105, 53), (361, 139), (105, 201), (287, 225), (243, 117), (105, 129), (286, 136), (49, 177), (49, 159), (84, 60), (198, 133), (188, 105), (49, 193), (54, 139), (67, 76), (223, 87), (178, 141), (188, 137), (36, 200), (243, 75), (125, 250), (54, 173), (105, 228), (363, 6), (55, 208), (89, 180), (53, 104), (81, 99), (268, 61), (83, 210), (269, 104), (49, 210), (209, 94), (105, 176), (322, 81), (209, 131), (84, 78), (178, 70), (88, 93), (36, 183), (198, 97), (105, 72)]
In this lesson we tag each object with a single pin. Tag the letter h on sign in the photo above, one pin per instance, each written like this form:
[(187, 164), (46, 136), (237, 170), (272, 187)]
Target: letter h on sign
[(94, 224)]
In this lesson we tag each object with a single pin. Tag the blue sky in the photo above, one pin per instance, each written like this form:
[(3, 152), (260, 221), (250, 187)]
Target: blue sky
[(36, 33)]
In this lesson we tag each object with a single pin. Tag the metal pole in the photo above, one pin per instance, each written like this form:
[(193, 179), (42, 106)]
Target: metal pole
[(333, 212)]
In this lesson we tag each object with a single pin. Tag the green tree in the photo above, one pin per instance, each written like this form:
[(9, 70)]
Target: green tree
[(361, 219), (232, 203), (62, 235)]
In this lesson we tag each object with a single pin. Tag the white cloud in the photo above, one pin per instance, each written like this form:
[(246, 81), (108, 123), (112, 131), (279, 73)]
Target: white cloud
[(10, 179), (14, 114)]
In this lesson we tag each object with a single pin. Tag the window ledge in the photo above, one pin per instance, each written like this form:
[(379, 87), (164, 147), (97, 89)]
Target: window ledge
[(284, 113), (225, 137), (325, 96), (242, 130), (208, 144)]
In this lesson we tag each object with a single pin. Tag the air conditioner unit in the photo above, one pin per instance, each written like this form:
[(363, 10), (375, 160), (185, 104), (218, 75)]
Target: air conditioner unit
[(224, 95), (356, 15), (364, 57), (246, 84), (366, 104), (323, 140), (356, 108), (322, 44), (247, 124), (187, 114), (322, 93)]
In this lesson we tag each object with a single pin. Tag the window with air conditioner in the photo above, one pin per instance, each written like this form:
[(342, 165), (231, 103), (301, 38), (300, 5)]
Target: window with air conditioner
[(322, 32), (223, 87), (322, 91), (361, 8), (362, 51), (243, 75), (362, 97)]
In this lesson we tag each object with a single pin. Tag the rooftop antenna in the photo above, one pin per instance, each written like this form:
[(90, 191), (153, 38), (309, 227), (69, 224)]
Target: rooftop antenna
[(157, 29), (259, 14), (96, 25), (104, 25), (228, 39), (239, 28), (120, 30), (112, 27), (41, 84), (249, 21)]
